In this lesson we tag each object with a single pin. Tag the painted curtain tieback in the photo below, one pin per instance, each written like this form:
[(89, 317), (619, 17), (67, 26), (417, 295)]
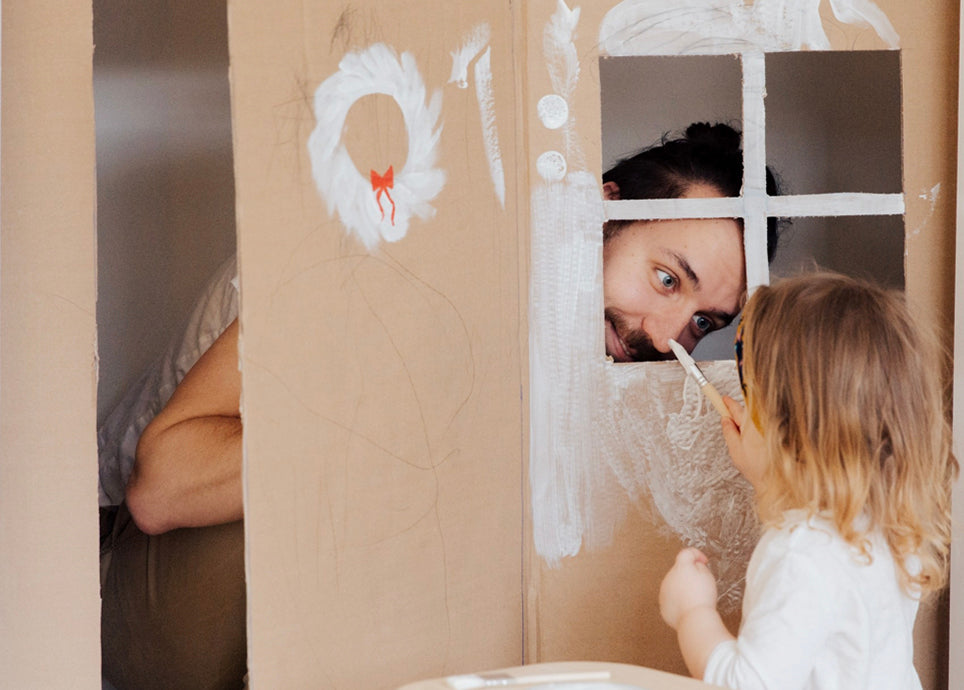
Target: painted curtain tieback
[(356, 201), (380, 185)]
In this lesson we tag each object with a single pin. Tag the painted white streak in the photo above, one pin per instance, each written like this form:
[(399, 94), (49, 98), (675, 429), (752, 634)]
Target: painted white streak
[(490, 132), (566, 367), (931, 196), (656, 209), (839, 204), (866, 13), (754, 171), (562, 60), (706, 27), (562, 63), (788, 206), (605, 435), (463, 56)]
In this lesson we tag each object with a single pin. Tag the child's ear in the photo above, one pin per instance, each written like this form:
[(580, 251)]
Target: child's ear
[(611, 191)]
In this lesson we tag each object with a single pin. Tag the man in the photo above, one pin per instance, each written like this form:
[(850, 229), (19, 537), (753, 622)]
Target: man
[(172, 539), (680, 278)]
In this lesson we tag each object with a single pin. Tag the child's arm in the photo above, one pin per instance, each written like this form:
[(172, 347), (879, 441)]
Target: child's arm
[(687, 602)]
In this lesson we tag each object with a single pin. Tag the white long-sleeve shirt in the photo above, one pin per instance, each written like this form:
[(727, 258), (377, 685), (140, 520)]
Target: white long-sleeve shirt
[(817, 615)]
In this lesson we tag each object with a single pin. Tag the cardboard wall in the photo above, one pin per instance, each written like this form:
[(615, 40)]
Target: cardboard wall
[(49, 601), (602, 603), (385, 394), (384, 429)]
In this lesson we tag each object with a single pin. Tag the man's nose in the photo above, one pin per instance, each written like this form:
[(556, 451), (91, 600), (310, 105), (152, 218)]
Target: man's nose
[(673, 325)]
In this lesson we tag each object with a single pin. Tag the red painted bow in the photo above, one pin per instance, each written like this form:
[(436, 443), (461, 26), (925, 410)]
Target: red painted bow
[(380, 185)]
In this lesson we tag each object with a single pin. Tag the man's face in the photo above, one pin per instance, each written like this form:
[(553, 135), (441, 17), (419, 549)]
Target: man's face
[(665, 279)]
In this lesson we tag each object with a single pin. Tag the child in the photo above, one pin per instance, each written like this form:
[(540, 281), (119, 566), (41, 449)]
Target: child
[(846, 442)]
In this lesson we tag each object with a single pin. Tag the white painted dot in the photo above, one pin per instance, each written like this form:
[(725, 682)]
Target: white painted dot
[(553, 111), (551, 166)]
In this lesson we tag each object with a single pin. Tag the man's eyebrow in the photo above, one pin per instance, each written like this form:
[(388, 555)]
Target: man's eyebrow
[(684, 266), (724, 317)]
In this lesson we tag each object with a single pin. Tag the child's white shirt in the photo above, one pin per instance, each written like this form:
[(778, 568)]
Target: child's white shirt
[(817, 615)]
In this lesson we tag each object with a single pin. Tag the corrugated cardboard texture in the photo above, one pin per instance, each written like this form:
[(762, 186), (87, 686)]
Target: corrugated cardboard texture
[(385, 390), (602, 604), (383, 424), (49, 601)]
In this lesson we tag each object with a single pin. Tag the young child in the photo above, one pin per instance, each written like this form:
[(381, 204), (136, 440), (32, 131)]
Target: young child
[(846, 442)]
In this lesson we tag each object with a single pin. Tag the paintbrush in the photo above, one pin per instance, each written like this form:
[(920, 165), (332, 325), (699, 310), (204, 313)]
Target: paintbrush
[(689, 364), (501, 680)]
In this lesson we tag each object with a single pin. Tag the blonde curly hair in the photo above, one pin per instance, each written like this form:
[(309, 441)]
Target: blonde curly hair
[(848, 391)]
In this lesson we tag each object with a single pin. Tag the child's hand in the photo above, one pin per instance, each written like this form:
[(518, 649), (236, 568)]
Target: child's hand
[(688, 585), (744, 442), (687, 602)]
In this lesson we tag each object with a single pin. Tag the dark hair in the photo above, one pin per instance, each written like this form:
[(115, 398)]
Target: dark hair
[(705, 154)]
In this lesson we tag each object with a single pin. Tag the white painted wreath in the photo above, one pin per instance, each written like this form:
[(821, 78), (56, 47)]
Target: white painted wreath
[(381, 206)]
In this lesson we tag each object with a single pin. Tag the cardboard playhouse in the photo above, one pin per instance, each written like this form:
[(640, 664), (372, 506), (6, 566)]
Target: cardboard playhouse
[(444, 473)]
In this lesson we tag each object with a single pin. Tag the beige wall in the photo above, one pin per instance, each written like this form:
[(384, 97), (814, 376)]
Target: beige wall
[(49, 600)]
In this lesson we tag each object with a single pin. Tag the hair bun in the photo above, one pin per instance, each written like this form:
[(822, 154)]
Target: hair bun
[(719, 136)]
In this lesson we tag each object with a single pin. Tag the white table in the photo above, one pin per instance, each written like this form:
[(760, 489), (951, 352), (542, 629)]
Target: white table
[(619, 674)]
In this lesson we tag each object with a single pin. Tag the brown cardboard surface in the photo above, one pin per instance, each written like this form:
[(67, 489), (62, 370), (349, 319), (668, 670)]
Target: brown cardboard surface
[(385, 394), (602, 603), (383, 424), (49, 600)]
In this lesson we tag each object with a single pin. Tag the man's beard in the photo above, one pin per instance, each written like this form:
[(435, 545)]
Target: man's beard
[(637, 343)]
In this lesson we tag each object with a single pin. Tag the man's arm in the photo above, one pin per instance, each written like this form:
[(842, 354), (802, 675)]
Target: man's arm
[(187, 470)]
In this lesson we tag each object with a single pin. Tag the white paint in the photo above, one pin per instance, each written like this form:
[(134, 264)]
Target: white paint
[(551, 166), (461, 58), (562, 62), (604, 435), (656, 209), (376, 70), (931, 196), (553, 111), (754, 171), (843, 204), (706, 27), (490, 132), (477, 43), (560, 50)]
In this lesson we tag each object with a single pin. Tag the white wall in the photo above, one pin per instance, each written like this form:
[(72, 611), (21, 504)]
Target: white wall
[(165, 181)]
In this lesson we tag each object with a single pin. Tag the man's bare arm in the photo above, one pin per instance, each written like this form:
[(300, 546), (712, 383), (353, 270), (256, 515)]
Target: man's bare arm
[(187, 471)]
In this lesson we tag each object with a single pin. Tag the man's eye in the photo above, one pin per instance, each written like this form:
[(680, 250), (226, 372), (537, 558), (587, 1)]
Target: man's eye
[(703, 324), (665, 279)]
